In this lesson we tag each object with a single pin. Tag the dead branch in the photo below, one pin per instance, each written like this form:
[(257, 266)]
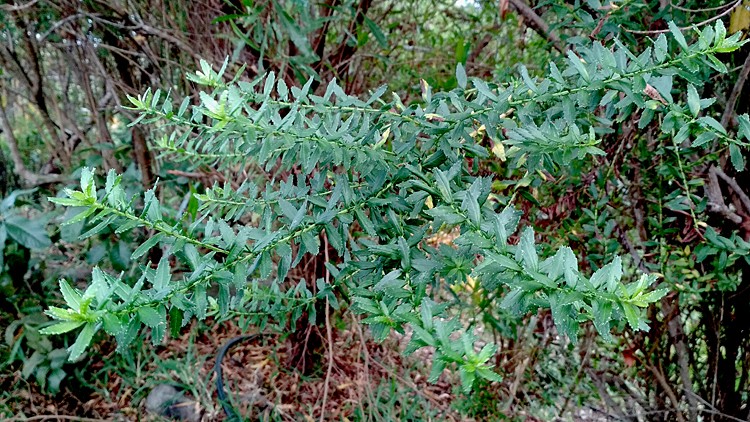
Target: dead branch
[(28, 177), (716, 202), (697, 25), (734, 185), (736, 91), (538, 24)]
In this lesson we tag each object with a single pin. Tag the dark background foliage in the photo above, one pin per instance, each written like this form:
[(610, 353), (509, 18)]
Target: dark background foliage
[(67, 67)]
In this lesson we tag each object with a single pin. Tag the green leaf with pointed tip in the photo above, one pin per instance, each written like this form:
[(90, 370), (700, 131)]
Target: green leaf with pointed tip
[(694, 101), (61, 327), (488, 374), (148, 244), (82, 342), (677, 34), (467, 378), (660, 48), (526, 252), (151, 317), (438, 366), (608, 276), (72, 296), (162, 277), (735, 155), (461, 76), (744, 126)]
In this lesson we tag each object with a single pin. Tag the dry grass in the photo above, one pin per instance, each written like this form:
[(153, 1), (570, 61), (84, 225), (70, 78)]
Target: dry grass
[(256, 377)]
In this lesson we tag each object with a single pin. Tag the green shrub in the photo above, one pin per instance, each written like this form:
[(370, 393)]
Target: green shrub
[(365, 183)]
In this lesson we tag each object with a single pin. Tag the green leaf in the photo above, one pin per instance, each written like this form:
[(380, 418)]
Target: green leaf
[(526, 252), (148, 244), (744, 126), (694, 101), (72, 296), (720, 32), (63, 314), (365, 222), (377, 32), (379, 331), (461, 76), (602, 311), (10, 200), (578, 65), (710, 122), (735, 154), (677, 34), (162, 277), (487, 352), (151, 317), (282, 89), (446, 214), (660, 48), (527, 79), (176, 317), (663, 85), (608, 276), (29, 233), (489, 375), (61, 327), (30, 364), (82, 342), (270, 81), (467, 378), (392, 285), (287, 209), (471, 205), (112, 325), (438, 366), (703, 139), (444, 186), (643, 301), (632, 316), (88, 185), (66, 202), (716, 64)]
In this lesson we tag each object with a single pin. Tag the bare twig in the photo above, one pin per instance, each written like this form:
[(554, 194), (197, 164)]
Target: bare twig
[(601, 387), (415, 388), (520, 369), (600, 25), (714, 411), (58, 24), (329, 336), (16, 8), (716, 202), (736, 91), (734, 185), (677, 334), (697, 25), (538, 23), (706, 9), (667, 389), (368, 382), (28, 177), (584, 363)]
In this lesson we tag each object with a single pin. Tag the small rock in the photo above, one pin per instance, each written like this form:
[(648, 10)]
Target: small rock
[(167, 401)]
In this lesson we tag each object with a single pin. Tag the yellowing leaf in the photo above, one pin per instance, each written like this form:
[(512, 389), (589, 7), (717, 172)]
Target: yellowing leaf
[(740, 19), (479, 132), (499, 150)]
